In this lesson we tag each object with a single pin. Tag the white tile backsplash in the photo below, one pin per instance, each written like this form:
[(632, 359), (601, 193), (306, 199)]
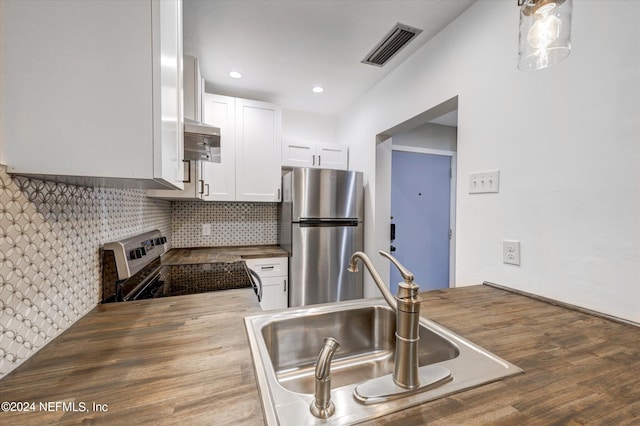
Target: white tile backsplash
[(50, 239), (232, 224)]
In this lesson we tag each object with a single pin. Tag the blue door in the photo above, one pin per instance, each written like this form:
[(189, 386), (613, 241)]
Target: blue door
[(421, 211)]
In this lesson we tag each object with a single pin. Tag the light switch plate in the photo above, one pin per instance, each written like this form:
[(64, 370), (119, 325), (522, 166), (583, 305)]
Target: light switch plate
[(511, 252), (484, 182)]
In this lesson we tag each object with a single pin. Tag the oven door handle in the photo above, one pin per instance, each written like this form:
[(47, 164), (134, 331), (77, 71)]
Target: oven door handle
[(257, 287)]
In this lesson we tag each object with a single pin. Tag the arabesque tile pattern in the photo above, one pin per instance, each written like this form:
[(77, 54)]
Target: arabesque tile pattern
[(50, 239)]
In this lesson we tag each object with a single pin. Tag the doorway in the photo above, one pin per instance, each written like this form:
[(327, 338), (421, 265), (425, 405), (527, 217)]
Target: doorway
[(434, 131), (422, 214)]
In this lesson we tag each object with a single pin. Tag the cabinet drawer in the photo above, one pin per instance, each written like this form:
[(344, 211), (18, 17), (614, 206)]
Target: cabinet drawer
[(269, 267)]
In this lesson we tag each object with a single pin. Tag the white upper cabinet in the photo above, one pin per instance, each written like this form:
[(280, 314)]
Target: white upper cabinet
[(193, 88), (220, 111), (250, 166), (298, 153), (195, 185), (92, 91), (332, 156), (258, 157), (311, 154)]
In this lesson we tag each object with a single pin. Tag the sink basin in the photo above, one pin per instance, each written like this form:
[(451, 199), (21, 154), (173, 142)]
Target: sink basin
[(367, 343), (285, 346)]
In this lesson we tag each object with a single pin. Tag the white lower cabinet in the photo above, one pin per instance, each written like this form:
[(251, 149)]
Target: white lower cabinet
[(273, 272), (274, 293)]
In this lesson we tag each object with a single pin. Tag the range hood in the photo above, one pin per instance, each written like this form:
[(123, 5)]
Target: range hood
[(201, 142)]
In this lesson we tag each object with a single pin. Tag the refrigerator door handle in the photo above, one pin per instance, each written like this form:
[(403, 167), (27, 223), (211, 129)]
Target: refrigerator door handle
[(327, 222)]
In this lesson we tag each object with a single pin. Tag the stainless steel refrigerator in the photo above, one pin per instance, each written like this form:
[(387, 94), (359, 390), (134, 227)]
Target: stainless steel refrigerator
[(321, 225)]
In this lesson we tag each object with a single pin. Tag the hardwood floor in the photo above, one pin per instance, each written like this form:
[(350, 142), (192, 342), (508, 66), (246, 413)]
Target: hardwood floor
[(185, 360)]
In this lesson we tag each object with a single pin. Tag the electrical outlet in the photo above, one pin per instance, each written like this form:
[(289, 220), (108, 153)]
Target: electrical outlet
[(206, 229), (484, 182), (511, 252)]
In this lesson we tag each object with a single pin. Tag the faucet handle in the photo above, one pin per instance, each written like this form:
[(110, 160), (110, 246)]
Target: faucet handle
[(406, 275)]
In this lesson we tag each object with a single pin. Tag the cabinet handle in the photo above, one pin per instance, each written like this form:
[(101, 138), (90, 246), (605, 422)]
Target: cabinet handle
[(201, 186), (285, 286), (266, 267), (188, 171), (313, 161), (318, 161), (206, 186), (278, 194)]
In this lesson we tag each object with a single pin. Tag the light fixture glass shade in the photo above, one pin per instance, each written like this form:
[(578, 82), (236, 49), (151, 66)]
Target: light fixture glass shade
[(545, 33)]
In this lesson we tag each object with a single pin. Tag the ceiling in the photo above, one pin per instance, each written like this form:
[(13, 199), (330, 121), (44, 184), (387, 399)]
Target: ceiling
[(284, 48)]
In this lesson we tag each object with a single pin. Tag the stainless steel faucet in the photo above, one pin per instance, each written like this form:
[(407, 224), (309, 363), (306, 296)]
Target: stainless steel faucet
[(406, 304), (322, 406)]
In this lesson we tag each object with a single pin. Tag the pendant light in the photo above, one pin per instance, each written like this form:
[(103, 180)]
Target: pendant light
[(545, 33)]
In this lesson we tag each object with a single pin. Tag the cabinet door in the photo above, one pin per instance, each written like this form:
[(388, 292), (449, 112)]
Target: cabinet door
[(274, 293), (192, 88), (168, 114), (273, 272), (194, 186), (258, 151), (219, 111), (298, 154), (332, 156), (82, 90)]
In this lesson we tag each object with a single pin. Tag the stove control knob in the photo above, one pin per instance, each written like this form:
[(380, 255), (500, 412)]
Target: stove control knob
[(164, 240), (132, 255), (143, 250), (138, 253)]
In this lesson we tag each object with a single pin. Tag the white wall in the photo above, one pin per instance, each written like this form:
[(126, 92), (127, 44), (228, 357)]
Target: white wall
[(566, 140), (2, 155), (309, 127), (432, 136)]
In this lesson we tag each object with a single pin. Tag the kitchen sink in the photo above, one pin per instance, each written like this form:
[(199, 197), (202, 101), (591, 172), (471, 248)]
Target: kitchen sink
[(285, 346), (367, 339)]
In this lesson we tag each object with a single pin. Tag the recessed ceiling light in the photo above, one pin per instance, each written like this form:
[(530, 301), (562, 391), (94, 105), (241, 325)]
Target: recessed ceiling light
[(235, 74), (318, 89)]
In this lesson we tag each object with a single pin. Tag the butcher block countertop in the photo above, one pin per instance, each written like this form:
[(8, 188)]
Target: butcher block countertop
[(189, 256), (185, 360)]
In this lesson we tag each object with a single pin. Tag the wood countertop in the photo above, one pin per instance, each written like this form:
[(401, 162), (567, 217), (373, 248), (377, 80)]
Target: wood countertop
[(185, 360), (190, 256)]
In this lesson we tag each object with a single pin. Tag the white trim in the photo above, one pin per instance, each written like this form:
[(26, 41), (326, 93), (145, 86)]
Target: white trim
[(452, 220), (452, 198)]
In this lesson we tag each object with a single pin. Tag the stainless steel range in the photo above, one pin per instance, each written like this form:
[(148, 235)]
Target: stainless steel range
[(132, 270)]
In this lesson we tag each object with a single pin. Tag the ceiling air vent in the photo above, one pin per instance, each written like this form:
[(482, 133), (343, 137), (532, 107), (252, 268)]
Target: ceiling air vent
[(391, 44)]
